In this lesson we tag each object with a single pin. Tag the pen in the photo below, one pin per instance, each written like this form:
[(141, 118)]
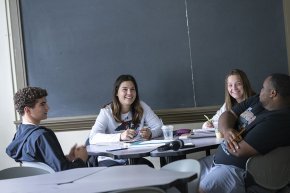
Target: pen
[(241, 132), (122, 148), (209, 120), (238, 137)]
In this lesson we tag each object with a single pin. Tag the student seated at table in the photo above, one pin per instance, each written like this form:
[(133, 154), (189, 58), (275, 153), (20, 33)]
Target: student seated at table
[(33, 142), (125, 118), (257, 125), (237, 89)]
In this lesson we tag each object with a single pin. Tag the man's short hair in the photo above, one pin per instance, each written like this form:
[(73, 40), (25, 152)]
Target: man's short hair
[(281, 83), (27, 97)]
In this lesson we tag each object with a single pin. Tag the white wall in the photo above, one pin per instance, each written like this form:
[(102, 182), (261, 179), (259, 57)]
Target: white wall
[(7, 115)]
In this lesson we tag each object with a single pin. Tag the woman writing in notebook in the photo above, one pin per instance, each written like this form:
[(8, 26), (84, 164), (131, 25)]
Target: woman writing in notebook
[(126, 117), (237, 89)]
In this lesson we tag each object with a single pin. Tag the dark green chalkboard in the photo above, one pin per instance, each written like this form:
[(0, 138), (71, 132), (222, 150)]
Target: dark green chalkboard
[(178, 50)]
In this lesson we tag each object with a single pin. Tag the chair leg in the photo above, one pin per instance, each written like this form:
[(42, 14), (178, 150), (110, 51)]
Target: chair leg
[(93, 161), (182, 188)]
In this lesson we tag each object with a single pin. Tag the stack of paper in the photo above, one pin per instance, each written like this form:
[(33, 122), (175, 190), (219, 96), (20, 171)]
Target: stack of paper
[(199, 133)]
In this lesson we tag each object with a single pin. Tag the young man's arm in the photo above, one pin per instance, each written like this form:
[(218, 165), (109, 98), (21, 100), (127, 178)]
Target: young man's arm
[(53, 155)]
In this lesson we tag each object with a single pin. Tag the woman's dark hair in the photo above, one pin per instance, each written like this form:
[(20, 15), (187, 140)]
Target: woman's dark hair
[(27, 97), (136, 108)]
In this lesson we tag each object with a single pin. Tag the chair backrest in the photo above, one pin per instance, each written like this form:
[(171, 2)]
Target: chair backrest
[(17, 172), (38, 165), (186, 165), (141, 190), (272, 170)]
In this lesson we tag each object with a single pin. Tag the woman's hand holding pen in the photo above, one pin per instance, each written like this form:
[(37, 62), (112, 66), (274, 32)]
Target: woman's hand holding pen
[(128, 134), (208, 123), (145, 133)]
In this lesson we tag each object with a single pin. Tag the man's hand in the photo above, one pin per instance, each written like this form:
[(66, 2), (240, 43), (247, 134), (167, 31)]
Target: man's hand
[(81, 152), (233, 137), (77, 152), (71, 155)]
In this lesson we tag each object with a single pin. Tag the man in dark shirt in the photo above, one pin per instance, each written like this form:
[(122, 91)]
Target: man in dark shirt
[(255, 126), (35, 143)]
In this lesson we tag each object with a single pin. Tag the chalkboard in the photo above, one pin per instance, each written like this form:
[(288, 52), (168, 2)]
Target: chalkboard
[(179, 51)]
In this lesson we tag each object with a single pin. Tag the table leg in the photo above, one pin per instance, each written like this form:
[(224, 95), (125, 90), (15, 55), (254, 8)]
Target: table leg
[(162, 161), (207, 152), (169, 159), (133, 161), (182, 187)]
